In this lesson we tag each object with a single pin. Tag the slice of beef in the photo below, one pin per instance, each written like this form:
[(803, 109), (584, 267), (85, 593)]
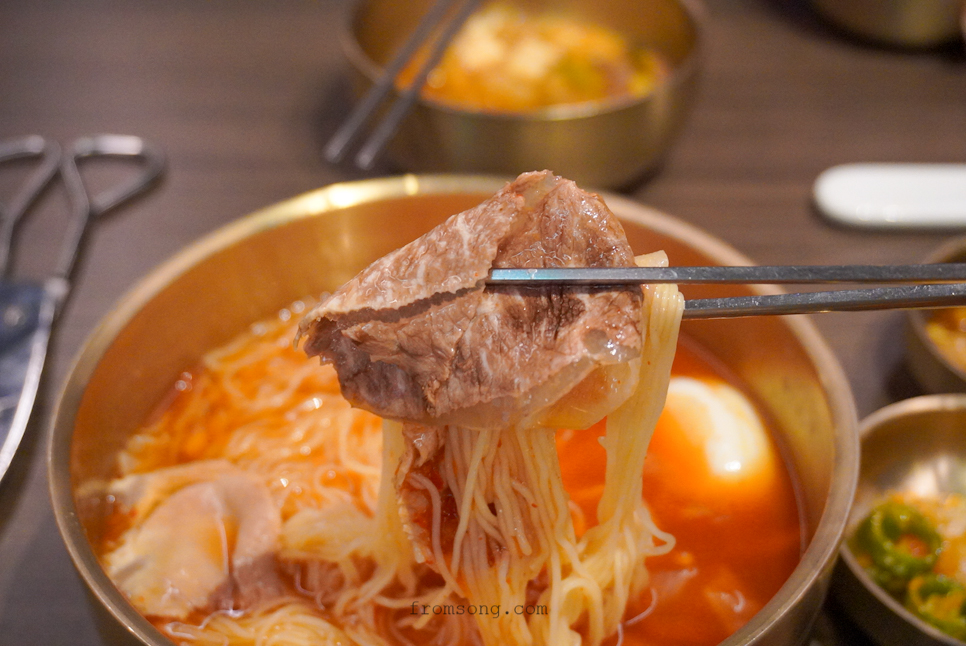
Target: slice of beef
[(419, 337)]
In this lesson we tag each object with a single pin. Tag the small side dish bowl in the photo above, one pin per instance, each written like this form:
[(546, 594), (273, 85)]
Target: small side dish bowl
[(906, 23), (935, 367), (916, 446), (605, 144)]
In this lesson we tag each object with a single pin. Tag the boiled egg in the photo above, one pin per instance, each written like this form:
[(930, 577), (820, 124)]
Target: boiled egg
[(721, 422)]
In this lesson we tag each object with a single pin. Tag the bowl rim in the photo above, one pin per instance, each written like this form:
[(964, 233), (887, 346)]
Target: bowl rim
[(816, 560), (910, 407), (917, 318), (679, 75)]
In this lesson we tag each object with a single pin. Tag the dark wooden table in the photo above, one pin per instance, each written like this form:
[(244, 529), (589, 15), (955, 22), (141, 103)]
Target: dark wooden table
[(242, 96)]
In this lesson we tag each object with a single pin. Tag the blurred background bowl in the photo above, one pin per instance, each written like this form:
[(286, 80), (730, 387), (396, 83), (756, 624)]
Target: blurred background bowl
[(908, 23), (915, 446), (217, 287), (605, 144), (934, 367)]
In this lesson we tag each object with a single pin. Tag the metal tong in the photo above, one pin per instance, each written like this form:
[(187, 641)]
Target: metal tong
[(930, 292), (28, 310)]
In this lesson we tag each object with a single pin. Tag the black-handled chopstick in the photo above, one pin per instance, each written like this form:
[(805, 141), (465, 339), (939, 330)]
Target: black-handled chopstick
[(776, 274)]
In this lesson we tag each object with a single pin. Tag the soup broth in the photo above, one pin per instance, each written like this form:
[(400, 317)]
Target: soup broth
[(736, 539), (259, 405)]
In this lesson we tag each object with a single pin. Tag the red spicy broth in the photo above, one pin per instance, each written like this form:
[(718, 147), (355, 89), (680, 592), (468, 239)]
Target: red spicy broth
[(736, 543)]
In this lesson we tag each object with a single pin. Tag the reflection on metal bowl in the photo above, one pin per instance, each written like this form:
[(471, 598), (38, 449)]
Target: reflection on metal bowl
[(934, 367), (218, 286), (605, 144)]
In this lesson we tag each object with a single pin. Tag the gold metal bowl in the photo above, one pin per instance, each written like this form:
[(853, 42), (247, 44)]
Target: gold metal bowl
[(914, 446), (250, 269), (606, 145), (927, 363), (907, 23)]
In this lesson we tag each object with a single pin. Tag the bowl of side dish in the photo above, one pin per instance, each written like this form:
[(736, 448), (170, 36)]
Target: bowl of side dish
[(936, 339), (901, 571), (217, 288), (594, 91), (905, 23)]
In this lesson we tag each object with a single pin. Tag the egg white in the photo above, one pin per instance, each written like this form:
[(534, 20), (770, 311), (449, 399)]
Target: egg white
[(720, 418)]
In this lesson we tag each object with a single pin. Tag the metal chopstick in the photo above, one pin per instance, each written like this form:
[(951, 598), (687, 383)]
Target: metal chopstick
[(776, 274), (337, 146), (347, 132), (935, 294), (846, 300)]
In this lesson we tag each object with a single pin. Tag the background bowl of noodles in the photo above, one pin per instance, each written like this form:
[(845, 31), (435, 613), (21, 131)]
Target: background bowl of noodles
[(250, 270)]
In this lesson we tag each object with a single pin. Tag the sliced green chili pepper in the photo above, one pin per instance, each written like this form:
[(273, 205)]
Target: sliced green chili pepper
[(940, 601), (888, 535)]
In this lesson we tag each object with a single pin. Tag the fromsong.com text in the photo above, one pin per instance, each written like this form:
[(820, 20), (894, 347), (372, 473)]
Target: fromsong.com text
[(482, 610)]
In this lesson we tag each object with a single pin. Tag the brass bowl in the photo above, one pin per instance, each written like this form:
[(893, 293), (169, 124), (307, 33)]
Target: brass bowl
[(907, 23), (914, 446), (248, 270), (606, 145), (927, 363)]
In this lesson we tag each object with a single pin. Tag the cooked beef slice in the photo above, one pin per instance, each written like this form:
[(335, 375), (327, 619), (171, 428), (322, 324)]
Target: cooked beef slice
[(418, 336)]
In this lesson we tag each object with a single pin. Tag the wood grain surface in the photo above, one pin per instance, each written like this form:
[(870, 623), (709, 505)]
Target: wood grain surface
[(243, 95)]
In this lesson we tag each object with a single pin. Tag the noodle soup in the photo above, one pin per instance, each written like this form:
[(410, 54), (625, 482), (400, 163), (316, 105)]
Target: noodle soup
[(200, 298), (257, 412)]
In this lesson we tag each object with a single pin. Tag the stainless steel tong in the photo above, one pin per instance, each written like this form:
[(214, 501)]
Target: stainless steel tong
[(933, 288), (28, 310)]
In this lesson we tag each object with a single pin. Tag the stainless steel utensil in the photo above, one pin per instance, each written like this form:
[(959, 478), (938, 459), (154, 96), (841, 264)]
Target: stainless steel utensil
[(844, 300), (755, 274), (384, 131), (28, 310), (905, 297)]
